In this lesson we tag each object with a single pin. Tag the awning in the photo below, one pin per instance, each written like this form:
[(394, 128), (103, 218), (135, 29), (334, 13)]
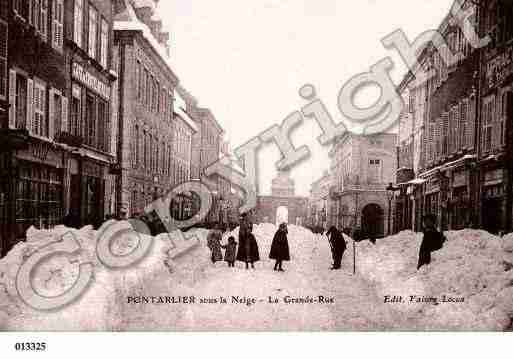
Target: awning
[(417, 181)]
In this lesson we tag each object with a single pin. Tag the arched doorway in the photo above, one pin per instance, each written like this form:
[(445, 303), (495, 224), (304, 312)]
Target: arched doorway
[(282, 215), (373, 224)]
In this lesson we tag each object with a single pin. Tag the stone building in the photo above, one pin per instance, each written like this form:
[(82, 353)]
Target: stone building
[(90, 74), (206, 150), (55, 92), (319, 202), (153, 143), (495, 194), (447, 180), (282, 205), (361, 168)]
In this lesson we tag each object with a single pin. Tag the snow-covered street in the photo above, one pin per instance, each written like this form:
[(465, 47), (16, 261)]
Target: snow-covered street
[(351, 302)]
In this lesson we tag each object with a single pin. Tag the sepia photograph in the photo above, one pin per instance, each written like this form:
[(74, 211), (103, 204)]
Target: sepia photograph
[(255, 166)]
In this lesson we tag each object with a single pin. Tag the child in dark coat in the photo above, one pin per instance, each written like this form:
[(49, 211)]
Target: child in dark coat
[(230, 251)]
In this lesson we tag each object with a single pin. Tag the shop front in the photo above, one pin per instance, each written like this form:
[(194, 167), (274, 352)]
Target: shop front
[(460, 211), (493, 201), (31, 190)]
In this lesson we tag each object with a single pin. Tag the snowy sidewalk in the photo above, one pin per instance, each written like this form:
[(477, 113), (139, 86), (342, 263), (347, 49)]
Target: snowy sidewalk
[(356, 306)]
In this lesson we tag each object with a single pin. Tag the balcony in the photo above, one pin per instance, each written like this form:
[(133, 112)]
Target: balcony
[(69, 139)]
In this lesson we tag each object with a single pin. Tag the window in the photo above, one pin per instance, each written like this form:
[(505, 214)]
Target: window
[(104, 41), (150, 153), (38, 197), (78, 25), (103, 126), (90, 121), (138, 79), (40, 123), (488, 119), (375, 171), (135, 147), (147, 88), (463, 125), (55, 111), (39, 16), (3, 59), (76, 110), (19, 103), (145, 154), (57, 24), (21, 8), (502, 119), (93, 25)]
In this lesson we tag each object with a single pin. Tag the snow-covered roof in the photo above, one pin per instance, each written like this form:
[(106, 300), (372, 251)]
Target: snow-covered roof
[(130, 22), (186, 118)]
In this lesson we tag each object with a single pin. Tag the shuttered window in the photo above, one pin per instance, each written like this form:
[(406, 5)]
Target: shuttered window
[(57, 24), (3, 59), (471, 123), (20, 108), (76, 111), (488, 121), (39, 16), (135, 147), (40, 123), (104, 40), (78, 22), (463, 130), (93, 26)]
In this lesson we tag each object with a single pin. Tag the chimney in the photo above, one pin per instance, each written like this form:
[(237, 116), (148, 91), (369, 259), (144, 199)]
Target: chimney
[(144, 14), (156, 27)]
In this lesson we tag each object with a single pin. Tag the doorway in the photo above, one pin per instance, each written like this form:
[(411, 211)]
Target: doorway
[(373, 224)]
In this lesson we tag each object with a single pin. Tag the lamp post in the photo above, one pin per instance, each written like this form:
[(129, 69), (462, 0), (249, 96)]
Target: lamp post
[(390, 195)]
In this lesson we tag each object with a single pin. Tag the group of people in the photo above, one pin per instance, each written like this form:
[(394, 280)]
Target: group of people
[(246, 249)]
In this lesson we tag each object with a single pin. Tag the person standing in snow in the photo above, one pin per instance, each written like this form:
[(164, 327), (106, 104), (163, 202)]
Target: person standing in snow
[(248, 246), (230, 251), (338, 246), (280, 247), (214, 244), (432, 240)]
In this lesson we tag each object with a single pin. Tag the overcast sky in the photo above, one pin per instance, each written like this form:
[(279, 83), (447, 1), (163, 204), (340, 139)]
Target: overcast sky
[(247, 59)]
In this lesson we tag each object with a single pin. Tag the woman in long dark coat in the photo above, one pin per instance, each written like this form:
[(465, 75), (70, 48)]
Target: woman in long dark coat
[(280, 247), (338, 246), (431, 242), (248, 246)]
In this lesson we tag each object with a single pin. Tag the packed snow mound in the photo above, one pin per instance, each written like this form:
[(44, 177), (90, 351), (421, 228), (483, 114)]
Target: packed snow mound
[(108, 289), (471, 266)]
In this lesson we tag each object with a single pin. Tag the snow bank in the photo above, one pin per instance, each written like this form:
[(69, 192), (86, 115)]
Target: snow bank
[(472, 265), (102, 305)]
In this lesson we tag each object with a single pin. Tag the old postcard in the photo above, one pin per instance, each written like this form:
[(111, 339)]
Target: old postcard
[(269, 165)]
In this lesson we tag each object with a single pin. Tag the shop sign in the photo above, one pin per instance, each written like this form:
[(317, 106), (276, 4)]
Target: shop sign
[(92, 169), (41, 152), (499, 68), (90, 80)]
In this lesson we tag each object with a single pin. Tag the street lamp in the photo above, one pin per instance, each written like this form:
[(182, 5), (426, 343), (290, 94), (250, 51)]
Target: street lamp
[(391, 189)]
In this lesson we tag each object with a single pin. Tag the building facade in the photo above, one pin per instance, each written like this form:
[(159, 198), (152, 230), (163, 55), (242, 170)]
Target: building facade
[(88, 130), (54, 52), (206, 149), (153, 143), (282, 206), (496, 115), (445, 178), (319, 202), (362, 167)]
